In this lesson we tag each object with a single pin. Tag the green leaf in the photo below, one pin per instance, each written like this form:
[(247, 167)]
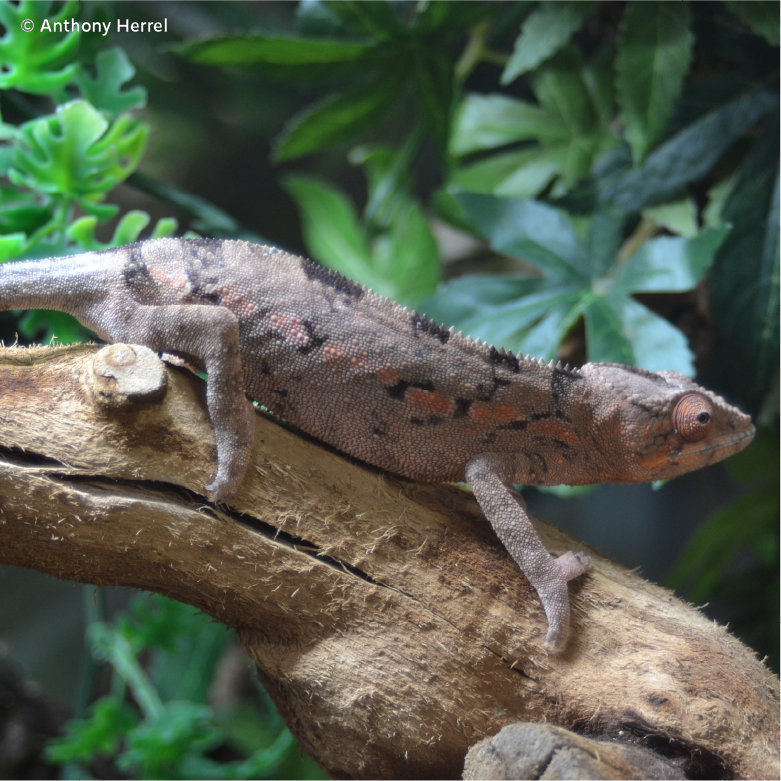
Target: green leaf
[(109, 720), (716, 542), (744, 286), (620, 330), (127, 231), (522, 174), (544, 32), (654, 53), (408, 255), (685, 157), (104, 90), (759, 16), (77, 153), (670, 264), (274, 50), (529, 230), (332, 232), (38, 61), (578, 280), (677, 216), (12, 246), (339, 118), (488, 121)]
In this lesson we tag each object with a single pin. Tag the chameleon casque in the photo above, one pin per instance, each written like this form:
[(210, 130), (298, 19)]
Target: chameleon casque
[(385, 384)]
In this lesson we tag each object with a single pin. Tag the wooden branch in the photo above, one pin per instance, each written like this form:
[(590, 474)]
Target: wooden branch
[(387, 622)]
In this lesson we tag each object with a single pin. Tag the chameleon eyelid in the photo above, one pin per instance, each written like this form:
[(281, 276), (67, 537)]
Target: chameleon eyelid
[(693, 416)]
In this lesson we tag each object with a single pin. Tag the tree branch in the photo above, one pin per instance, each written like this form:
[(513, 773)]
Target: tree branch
[(387, 622)]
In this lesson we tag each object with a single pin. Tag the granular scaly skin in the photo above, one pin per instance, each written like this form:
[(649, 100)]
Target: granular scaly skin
[(385, 384)]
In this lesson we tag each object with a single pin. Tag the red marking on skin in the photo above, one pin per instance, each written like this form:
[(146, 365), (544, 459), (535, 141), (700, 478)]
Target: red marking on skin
[(482, 414), (429, 401), (289, 326), (654, 461), (387, 375), (554, 428)]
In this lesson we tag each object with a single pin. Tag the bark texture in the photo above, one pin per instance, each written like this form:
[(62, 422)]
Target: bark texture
[(387, 622)]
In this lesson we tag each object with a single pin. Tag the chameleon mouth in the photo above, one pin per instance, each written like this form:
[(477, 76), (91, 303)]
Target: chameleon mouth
[(733, 441)]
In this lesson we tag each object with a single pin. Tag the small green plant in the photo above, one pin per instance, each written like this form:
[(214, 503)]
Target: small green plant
[(70, 158), (156, 721)]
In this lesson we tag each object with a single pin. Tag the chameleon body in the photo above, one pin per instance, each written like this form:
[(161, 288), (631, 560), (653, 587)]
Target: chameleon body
[(385, 384)]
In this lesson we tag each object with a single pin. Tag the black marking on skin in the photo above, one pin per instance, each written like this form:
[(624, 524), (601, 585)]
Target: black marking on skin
[(197, 285), (561, 444), (378, 432), (398, 390), (537, 460), (282, 393), (315, 341), (265, 368), (430, 420), (333, 279), (508, 358), (497, 383), (425, 324), (135, 272), (516, 425), (462, 408), (489, 438)]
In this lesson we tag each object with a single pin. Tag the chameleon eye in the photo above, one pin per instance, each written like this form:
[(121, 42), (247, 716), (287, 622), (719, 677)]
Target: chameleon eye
[(692, 417)]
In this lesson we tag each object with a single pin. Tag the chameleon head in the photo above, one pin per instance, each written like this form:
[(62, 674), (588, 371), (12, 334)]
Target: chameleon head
[(663, 425)]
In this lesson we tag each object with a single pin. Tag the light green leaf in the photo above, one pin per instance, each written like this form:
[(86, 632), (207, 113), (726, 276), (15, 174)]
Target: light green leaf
[(620, 330), (522, 174), (655, 50), (77, 152), (529, 230), (670, 264), (332, 232), (104, 90), (544, 32), (759, 16), (488, 121), (677, 216), (12, 246)]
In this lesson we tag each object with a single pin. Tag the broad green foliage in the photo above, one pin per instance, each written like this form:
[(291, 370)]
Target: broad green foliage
[(569, 123), (71, 157), (592, 279), (381, 53), (165, 728)]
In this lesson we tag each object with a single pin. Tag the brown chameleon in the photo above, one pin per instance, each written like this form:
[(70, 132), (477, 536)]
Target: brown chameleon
[(385, 384)]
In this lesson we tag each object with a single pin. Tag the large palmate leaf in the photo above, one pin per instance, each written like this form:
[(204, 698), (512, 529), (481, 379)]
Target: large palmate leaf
[(570, 125), (653, 57), (578, 279)]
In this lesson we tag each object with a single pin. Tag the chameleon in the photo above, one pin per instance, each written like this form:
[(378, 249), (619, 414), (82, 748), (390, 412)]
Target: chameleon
[(385, 384)]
